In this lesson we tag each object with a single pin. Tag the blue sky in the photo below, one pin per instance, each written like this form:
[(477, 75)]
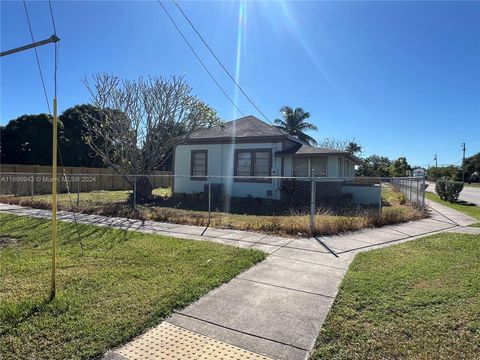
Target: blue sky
[(402, 78)]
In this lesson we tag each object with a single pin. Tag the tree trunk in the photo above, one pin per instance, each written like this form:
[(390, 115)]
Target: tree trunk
[(144, 189)]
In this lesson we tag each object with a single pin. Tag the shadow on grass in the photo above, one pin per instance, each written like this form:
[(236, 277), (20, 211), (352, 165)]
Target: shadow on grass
[(13, 314), (464, 203)]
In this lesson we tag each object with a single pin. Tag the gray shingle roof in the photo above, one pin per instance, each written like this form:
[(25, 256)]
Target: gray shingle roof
[(245, 127), (305, 150), (250, 127)]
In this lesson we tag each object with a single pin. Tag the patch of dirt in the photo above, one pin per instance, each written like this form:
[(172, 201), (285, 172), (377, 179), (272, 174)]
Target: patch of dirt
[(8, 241)]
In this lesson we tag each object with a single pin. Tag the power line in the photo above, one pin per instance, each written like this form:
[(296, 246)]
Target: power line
[(52, 17), (36, 56), (200, 60), (48, 103), (220, 63), (57, 56), (56, 48)]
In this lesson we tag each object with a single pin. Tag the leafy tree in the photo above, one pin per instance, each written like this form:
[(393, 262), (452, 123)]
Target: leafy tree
[(375, 165), (149, 117), (346, 145), (451, 172), (353, 147), (75, 150), (472, 168), (332, 143), (294, 123), (28, 140), (400, 167)]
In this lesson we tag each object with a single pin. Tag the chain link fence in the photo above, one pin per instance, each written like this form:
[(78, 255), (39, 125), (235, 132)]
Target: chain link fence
[(283, 205), (413, 188)]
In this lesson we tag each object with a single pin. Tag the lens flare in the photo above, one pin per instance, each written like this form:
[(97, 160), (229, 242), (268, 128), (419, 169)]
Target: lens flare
[(241, 28)]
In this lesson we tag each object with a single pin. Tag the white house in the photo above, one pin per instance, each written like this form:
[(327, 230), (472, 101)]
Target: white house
[(239, 153)]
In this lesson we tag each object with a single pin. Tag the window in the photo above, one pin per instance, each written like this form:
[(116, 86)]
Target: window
[(319, 165), (253, 163), (302, 166), (340, 167), (199, 161)]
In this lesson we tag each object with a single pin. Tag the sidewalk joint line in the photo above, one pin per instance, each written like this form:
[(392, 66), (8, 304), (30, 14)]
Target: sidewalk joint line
[(309, 262), (281, 247), (241, 331), (286, 288), (445, 216)]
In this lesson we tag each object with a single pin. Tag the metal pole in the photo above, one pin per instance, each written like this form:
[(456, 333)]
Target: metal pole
[(423, 192), (312, 202), (53, 289), (380, 197), (417, 181), (463, 164), (209, 201), (51, 39), (33, 179)]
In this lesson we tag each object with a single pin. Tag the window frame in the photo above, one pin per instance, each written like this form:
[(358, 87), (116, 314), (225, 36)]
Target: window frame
[(192, 156), (309, 160), (252, 165)]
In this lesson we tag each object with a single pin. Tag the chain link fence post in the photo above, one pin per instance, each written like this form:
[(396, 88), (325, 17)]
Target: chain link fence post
[(31, 185), (312, 202), (380, 197), (423, 192), (417, 186), (209, 200)]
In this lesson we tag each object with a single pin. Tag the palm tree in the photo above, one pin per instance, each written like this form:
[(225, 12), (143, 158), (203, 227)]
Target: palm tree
[(294, 123), (353, 147)]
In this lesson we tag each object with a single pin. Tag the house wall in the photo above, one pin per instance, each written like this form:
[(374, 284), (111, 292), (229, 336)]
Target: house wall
[(221, 164), (365, 195), (332, 167)]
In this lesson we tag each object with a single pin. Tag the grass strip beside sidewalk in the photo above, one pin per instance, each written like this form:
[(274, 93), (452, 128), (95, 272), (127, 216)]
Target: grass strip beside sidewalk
[(416, 300), (124, 283)]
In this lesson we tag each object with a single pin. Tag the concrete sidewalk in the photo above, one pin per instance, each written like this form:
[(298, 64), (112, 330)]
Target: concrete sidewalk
[(277, 307)]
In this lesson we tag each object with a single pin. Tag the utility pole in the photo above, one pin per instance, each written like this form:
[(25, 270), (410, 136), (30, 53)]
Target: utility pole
[(51, 39), (463, 163), (436, 167)]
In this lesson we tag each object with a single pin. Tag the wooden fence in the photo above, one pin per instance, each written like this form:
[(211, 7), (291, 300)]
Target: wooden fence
[(36, 179)]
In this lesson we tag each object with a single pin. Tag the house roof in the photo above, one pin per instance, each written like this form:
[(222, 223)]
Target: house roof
[(300, 150), (245, 127), (250, 128)]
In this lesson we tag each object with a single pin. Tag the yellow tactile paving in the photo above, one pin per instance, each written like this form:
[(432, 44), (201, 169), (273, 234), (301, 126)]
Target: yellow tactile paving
[(168, 341)]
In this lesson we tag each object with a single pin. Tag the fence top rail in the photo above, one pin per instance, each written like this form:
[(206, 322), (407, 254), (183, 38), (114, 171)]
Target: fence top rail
[(317, 178)]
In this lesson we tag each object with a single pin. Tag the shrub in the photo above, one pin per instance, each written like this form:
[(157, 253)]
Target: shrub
[(447, 189)]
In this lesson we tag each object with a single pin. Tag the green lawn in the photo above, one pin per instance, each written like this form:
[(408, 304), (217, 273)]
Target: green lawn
[(471, 210), (124, 283), (417, 300)]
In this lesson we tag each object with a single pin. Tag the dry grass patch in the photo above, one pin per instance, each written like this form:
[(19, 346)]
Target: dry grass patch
[(297, 224)]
